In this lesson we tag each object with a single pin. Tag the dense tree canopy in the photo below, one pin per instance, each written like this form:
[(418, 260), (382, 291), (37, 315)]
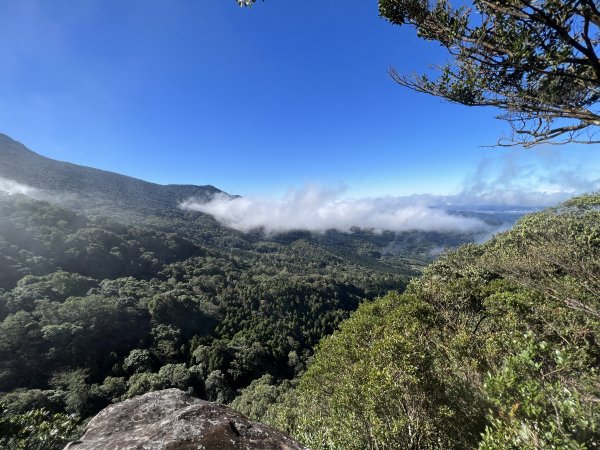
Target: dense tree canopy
[(93, 311), (494, 347)]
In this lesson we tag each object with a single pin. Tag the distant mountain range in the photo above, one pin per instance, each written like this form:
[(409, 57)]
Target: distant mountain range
[(92, 190)]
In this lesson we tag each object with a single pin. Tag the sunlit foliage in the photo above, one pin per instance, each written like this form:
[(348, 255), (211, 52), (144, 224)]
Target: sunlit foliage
[(495, 346)]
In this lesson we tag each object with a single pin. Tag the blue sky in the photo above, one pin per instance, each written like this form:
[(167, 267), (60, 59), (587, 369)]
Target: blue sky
[(253, 101)]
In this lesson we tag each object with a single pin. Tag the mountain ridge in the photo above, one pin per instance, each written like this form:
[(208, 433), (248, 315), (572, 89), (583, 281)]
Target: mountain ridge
[(93, 190)]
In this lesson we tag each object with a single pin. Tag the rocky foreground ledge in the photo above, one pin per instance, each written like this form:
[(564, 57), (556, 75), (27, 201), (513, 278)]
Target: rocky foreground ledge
[(173, 420)]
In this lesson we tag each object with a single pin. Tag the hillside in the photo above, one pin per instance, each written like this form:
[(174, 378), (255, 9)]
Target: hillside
[(496, 346), (92, 190), (108, 290), (93, 311), (130, 201)]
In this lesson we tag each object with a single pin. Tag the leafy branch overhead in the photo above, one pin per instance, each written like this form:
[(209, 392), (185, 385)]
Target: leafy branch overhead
[(536, 60)]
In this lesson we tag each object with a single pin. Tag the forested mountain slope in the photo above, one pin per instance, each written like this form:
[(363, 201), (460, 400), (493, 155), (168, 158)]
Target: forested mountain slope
[(109, 290), (496, 346), (89, 189), (93, 311)]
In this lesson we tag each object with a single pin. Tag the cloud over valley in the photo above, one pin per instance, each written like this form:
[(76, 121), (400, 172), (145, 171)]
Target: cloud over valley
[(317, 209), (510, 182)]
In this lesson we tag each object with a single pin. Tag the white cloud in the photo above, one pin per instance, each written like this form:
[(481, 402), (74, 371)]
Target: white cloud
[(12, 187), (502, 180), (316, 209), (542, 177)]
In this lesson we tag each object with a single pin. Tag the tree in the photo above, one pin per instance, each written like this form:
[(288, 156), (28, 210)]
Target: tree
[(537, 60)]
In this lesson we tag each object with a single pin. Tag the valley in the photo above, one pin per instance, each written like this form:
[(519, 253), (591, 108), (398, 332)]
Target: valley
[(108, 290)]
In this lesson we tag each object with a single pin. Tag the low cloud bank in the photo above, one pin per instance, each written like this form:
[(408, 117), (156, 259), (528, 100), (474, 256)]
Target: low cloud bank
[(317, 209), (513, 181), (11, 187)]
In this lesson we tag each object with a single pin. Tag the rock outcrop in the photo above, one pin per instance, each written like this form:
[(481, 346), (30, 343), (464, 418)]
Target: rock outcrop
[(173, 420)]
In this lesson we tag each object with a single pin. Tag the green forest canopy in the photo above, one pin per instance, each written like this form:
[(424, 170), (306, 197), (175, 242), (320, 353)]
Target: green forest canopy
[(93, 312), (496, 346)]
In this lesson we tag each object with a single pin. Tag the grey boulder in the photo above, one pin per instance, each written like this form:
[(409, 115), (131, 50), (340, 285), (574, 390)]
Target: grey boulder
[(173, 420)]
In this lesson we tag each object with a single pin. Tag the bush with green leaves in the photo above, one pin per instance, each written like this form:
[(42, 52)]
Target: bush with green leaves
[(37, 429), (531, 407), (255, 400)]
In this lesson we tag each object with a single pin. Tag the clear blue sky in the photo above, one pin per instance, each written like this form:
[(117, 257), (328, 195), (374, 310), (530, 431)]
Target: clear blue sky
[(249, 100)]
